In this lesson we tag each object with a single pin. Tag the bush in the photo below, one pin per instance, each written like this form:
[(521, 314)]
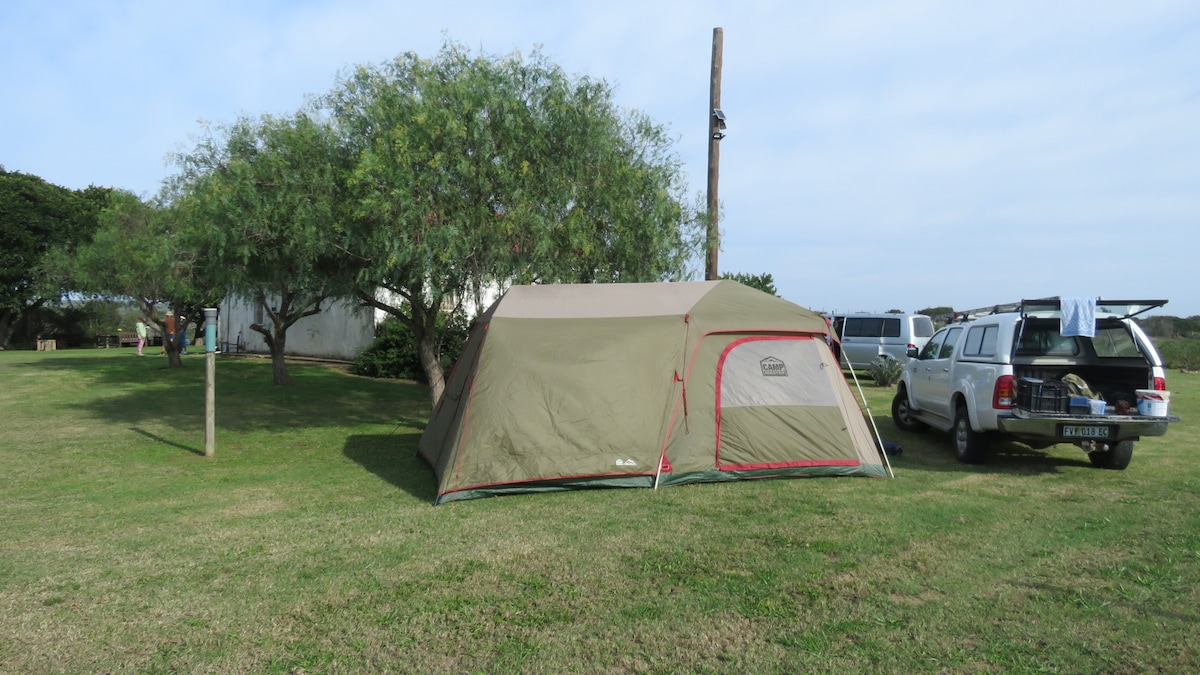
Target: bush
[(1180, 353), (394, 355), (885, 371)]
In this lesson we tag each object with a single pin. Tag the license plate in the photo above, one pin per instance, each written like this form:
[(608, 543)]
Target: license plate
[(1072, 431)]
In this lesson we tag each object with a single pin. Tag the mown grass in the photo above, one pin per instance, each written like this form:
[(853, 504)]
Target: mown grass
[(308, 544)]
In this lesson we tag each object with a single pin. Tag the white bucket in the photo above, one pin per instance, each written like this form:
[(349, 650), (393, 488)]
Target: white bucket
[(1153, 403)]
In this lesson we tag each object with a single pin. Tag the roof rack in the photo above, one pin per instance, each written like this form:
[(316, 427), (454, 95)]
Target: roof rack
[(1127, 308)]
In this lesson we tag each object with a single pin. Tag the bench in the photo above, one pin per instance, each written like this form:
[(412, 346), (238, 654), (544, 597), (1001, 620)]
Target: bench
[(124, 340)]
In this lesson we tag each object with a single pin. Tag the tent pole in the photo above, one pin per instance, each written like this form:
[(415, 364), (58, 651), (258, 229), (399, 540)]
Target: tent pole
[(867, 408)]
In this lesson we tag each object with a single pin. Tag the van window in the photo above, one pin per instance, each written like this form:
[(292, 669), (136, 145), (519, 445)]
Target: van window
[(922, 326), (981, 341), (863, 327), (891, 328)]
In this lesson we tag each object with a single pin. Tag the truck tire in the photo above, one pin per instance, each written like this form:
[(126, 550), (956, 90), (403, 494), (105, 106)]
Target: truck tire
[(970, 446), (1116, 458), (902, 414)]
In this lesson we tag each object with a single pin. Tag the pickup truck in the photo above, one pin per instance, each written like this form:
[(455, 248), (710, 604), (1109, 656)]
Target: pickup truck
[(1009, 372)]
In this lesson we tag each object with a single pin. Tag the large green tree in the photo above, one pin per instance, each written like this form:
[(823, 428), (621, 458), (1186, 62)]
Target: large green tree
[(36, 219), (265, 193), (144, 250), (471, 171)]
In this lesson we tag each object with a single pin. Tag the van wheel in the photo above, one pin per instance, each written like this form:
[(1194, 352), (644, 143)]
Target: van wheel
[(970, 446), (1117, 458), (902, 414)]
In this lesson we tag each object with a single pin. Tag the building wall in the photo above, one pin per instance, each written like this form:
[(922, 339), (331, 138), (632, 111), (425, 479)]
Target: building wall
[(342, 330)]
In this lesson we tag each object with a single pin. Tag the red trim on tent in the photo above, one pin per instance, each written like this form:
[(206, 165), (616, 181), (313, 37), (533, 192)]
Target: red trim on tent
[(721, 373), (772, 334), (786, 465), (663, 462)]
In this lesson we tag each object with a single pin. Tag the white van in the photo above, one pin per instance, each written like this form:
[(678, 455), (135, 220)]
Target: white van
[(866, 337)]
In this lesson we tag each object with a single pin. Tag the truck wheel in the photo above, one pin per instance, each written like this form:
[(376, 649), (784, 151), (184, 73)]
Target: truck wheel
[(902, 414), (1117, 457), (970, 446)]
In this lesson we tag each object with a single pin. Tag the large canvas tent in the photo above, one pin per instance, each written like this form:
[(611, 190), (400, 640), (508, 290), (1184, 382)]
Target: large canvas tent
[(643, 385)]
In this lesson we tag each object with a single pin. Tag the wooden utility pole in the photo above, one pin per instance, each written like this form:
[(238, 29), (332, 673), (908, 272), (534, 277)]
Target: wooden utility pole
[(716, 122)]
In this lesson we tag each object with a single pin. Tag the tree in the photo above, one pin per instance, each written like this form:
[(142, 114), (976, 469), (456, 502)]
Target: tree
[(265, 193), (763, 282), (475, 171), (936, 311), (142, 250), (37, 217)]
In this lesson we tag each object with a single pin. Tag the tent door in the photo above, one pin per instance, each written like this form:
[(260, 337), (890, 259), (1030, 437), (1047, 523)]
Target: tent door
[(777, 408)]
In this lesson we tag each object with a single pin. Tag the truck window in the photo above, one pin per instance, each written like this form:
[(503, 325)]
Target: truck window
[(891, 328), (1115, 342), (931, 348), (951, 340), (981, 341), (1045, 340)]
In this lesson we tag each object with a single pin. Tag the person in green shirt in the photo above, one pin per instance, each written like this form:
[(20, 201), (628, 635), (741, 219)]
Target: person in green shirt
[(141, 333)]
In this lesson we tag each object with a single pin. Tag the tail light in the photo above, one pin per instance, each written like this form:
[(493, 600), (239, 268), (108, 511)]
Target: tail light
[(1002, 396), (1160, 384)]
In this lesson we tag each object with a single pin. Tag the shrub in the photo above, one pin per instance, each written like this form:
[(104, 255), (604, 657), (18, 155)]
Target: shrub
[(1180, 353), (394, 355), (885, 371)]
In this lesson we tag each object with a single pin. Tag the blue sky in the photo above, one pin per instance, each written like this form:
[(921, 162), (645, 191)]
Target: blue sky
[(891, 154)]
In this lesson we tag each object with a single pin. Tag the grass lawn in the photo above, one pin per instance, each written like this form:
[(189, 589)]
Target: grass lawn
[(308, 545)]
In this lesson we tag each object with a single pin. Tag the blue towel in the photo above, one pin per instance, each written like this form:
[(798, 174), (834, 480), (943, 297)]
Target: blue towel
[(1078, 316)]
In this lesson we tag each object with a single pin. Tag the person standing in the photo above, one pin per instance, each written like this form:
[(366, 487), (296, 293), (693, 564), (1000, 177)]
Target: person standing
[(170, 326), (141, 333), (183, 328)]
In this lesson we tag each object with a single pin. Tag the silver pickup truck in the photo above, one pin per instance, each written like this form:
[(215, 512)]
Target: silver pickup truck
[(1009, 372)]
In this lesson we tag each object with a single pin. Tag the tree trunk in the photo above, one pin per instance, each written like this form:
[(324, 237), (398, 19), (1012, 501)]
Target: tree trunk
[(6, 327), (279, 370), (174, 360), (432, 366), (423, 324)]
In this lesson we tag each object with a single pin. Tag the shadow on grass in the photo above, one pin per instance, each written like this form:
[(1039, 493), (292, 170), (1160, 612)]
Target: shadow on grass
[(134, 392), (933, 450), (394, 458), (160, 439)]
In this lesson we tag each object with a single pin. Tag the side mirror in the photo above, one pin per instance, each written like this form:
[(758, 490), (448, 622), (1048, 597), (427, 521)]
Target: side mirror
[(911, 352)]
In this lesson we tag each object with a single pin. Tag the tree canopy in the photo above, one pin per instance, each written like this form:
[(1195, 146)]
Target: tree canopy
[(37, 218), (143, 250), (763, 282), (471, 171), (264, 194)]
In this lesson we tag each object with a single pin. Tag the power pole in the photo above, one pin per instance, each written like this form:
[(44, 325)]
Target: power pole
[(716, 122)]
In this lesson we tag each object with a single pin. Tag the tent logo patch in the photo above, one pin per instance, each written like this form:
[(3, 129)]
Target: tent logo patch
[(773, 367), (626, 462)]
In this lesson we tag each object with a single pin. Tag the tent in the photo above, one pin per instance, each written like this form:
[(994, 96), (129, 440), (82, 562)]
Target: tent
[(643, 385)]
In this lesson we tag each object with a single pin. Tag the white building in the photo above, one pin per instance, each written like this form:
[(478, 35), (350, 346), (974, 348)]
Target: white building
[(342, 330)]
